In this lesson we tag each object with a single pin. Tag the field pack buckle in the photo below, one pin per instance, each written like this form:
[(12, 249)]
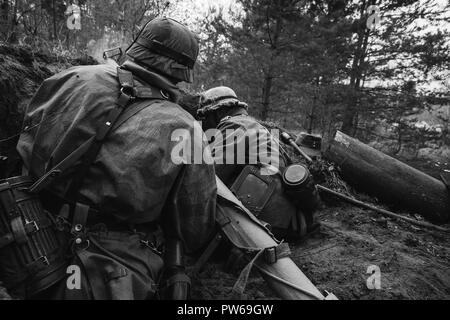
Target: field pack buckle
[(44, 260), (31, 227), (273, 254)]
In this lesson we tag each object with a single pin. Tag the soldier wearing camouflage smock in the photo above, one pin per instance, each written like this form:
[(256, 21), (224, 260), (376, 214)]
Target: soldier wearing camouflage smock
[(262, 156), (141, 204)]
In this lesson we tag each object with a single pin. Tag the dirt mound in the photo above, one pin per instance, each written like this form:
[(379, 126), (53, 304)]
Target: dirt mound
[(413, 262), (21, 73)]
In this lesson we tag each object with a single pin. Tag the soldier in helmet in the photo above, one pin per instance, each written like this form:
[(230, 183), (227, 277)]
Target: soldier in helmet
[(130, 209), (289, 218)]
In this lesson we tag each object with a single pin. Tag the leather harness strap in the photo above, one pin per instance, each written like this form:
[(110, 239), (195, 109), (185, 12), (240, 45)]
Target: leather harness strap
[(126, 96), (87, 152), (61, 167), (80, 215)]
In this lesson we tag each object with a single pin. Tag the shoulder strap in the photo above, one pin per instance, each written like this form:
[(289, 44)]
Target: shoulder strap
[(88, 151), (127, 95), (133, 110)]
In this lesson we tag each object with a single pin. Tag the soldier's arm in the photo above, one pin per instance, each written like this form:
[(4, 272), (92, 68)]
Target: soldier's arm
[(195, 206), (190, 212)]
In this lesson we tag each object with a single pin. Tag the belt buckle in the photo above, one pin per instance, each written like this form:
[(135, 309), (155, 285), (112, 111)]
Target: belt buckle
[(31, 226), (44, 260)]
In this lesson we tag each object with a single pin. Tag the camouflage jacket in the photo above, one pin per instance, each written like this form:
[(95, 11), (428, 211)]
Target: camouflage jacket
[(253, 144), (133, 178)]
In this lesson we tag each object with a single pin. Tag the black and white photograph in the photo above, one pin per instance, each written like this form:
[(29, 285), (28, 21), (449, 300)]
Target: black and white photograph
[(224, 155)]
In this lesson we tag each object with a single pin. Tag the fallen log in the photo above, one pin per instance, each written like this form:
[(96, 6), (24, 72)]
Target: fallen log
[(380, 210), (393, 181)]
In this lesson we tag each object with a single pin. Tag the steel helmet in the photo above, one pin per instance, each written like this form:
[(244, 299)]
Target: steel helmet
[(218, 97), (167, 46)]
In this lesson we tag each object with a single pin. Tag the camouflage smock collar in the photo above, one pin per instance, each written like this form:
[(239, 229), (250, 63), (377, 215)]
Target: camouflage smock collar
[(153, 79)]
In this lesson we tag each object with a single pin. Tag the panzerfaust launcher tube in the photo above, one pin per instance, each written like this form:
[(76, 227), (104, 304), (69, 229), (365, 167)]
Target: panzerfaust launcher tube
[(245, 232)]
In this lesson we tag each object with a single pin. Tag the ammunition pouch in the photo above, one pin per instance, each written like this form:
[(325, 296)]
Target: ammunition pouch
[(31, 246)]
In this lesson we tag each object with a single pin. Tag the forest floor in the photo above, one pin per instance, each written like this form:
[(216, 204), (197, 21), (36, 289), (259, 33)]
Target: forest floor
[(414, 262)]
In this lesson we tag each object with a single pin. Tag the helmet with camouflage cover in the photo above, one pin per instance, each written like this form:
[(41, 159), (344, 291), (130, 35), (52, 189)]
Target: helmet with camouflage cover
[(217, 98), (166, 46)]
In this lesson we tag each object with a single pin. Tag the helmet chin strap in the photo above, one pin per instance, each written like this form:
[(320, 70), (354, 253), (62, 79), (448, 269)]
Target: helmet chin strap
[(153, 78)]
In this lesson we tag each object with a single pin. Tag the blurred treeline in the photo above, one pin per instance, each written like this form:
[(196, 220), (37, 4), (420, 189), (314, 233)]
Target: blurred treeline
[(306, 64), (315, 65), (43, 24)]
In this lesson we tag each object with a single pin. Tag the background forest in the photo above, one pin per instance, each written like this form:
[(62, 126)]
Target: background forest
[(309, 65)]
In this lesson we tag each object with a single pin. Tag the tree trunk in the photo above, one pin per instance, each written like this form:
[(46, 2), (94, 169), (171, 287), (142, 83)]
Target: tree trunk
[(12, 36), (4, 12), (268, 79), (4, 19), (55, 35), (348, 123), (389, 179), (267, 87)]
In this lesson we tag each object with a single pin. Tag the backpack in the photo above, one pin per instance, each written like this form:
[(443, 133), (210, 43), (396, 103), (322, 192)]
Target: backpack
[(34, 243)]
